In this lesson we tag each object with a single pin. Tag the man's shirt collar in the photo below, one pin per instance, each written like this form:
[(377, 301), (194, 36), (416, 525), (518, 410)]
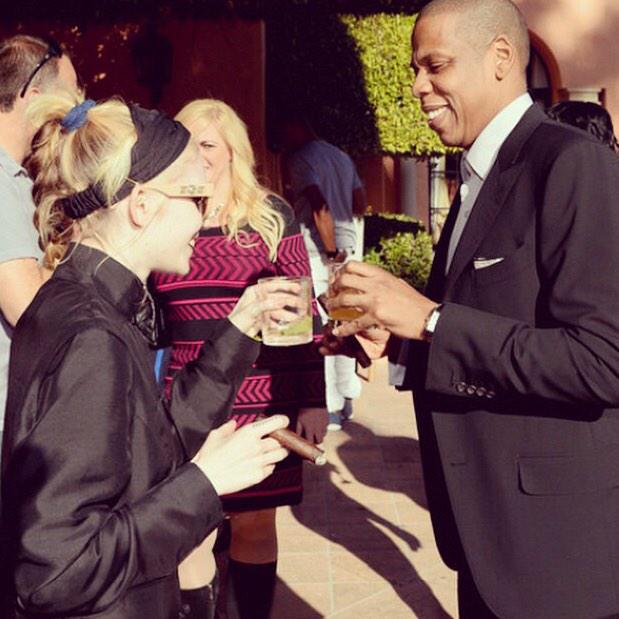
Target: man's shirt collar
[(485, 148), (10, 165)]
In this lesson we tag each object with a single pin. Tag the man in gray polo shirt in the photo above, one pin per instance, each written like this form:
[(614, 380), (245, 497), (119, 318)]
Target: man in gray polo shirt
[(28, 67)]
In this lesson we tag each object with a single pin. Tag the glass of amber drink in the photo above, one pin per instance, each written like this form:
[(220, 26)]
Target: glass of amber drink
[(341, 313)]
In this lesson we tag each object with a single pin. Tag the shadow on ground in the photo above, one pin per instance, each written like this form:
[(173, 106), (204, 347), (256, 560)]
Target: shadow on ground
[(379, 462)]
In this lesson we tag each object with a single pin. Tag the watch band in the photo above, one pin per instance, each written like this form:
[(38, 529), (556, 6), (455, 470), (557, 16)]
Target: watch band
[(430, 323)]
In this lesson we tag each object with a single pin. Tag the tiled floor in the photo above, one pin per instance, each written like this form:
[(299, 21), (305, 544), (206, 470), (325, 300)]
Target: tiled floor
[(360, 546)]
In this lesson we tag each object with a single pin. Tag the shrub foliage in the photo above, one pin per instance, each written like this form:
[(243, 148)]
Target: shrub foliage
[(405, 254)]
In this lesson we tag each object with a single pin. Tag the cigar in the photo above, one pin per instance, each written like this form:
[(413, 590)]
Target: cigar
[(297, 444)]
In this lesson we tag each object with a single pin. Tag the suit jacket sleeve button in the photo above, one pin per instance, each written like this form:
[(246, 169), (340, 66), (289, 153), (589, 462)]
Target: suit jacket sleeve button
[(481, 392), (490, 394), (471, 390), (460, 387)]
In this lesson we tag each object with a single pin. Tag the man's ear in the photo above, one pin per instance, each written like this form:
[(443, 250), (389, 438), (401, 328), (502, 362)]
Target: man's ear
[(504, 56), (33, 91), (141, 210)]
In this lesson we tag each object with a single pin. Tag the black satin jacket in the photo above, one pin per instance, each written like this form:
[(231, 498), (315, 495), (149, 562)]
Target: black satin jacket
[(100, 503)]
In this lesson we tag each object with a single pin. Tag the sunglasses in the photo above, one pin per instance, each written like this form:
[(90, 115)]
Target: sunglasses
[(198, 193), (53, 51)]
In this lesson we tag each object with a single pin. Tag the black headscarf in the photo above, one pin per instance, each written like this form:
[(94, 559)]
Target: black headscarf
[(160, 142)]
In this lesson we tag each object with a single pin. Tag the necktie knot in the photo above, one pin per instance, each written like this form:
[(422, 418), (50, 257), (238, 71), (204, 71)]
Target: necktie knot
[(466, 171)]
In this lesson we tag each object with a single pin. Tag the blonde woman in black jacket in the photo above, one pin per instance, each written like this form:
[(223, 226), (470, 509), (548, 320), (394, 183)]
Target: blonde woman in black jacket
[(106, 486)]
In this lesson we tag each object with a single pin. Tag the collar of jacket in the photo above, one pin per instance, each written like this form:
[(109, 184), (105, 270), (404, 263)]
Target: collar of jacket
[(509, 152), (491, 198), (115, 283)]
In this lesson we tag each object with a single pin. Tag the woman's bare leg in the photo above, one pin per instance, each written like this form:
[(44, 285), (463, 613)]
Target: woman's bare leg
[(198, 569), (254, 536)]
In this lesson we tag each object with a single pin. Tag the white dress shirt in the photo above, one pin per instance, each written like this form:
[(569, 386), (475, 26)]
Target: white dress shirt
[(477, 161)]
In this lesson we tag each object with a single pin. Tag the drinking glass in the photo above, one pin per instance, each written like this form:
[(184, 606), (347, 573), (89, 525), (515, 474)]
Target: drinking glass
[(341, 313), (297, 330)]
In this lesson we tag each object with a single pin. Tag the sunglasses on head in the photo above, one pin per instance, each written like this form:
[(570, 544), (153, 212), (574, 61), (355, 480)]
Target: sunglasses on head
[(198, 193), (53, 51)]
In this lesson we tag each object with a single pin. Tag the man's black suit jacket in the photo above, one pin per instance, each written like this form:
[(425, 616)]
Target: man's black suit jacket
[(517, 398)]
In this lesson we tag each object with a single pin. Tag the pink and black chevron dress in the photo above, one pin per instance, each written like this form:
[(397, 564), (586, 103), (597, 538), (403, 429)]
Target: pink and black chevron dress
[(283, 379)]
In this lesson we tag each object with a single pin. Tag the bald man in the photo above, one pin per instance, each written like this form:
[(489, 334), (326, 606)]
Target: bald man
[(514, 349)]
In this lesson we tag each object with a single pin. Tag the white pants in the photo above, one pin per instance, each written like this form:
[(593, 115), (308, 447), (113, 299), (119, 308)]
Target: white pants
[(340, 379)]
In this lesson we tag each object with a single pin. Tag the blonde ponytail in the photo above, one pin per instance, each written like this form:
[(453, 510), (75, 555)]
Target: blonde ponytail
[(63, 163)]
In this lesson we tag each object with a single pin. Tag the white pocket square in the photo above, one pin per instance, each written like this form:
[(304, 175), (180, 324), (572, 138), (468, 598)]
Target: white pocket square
[(484, 263)]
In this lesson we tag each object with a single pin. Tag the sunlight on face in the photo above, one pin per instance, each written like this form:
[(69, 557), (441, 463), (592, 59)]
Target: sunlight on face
[(454, 79), (215, 153), (179, 221)]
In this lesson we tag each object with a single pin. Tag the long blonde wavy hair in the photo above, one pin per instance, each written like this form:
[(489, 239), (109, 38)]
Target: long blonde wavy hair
[(251, 204), (63, 163)]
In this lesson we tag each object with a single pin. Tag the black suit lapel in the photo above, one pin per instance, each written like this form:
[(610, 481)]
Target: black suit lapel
[(495, 189)]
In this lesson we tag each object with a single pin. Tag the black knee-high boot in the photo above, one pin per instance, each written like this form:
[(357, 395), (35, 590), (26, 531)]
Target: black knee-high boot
[(200, 603), (250, 589)]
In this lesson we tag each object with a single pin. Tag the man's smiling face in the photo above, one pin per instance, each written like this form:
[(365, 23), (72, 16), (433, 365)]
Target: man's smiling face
[(455, 78)]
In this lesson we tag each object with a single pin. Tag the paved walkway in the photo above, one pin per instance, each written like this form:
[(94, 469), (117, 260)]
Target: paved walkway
[(361, 545)]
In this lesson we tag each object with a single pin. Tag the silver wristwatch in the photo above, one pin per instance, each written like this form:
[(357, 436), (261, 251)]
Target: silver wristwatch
[(429, 326)]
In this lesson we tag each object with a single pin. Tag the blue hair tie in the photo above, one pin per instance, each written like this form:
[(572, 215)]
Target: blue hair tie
[(76, 116)]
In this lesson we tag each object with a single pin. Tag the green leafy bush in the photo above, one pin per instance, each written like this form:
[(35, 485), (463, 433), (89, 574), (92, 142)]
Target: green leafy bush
[(379, 226), (384, 45), (406, 255)]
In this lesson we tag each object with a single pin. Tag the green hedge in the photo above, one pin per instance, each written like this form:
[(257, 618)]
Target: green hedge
[(379, 226), (384, 44), (399, 244), (350, 75), (406, 255)]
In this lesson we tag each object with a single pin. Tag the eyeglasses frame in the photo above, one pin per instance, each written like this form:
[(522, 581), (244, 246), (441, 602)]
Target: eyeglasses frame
[(197, 193), (53, 51)]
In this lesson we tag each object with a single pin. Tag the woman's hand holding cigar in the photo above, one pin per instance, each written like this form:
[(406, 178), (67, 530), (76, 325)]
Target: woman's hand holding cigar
[(236, 459)]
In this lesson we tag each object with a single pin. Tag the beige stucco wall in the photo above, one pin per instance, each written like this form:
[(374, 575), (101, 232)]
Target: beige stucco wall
[(584, 37)]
